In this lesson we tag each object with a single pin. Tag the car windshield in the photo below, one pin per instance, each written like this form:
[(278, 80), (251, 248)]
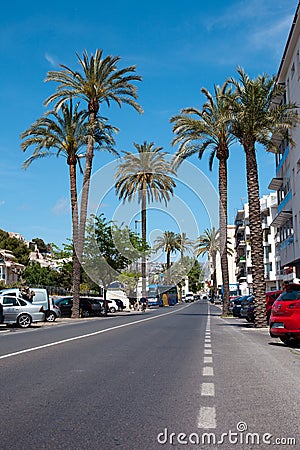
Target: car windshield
[(289, 295)]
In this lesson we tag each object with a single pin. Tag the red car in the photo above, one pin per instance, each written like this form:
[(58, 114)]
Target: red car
[(271, 296), (285, 315)]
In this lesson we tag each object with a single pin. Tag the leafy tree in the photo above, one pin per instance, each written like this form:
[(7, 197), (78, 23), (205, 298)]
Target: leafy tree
[(99, 80), (16, 246), (147, 176), (196, 276), (42, 247), (198, 131), (259, 115), (109, 250)]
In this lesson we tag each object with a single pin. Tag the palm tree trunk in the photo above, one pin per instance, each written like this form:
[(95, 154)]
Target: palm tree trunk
[(168, 266), (257, 254), (79, 243), (144, 240), (223, 233), (214, 264), (74, 209)]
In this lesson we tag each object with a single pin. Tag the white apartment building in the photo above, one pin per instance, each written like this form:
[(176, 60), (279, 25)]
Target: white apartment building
[(268, 207), (287, 179)]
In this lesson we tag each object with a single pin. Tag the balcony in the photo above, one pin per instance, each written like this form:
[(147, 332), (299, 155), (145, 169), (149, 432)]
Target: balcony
[(275, 184), (281, 218), (284, 202), (281, 162)]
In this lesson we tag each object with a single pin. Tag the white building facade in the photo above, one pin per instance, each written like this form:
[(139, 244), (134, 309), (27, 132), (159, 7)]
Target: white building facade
[(287, 160)]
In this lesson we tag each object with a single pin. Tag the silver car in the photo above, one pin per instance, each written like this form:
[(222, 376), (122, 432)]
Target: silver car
[(20, 311)]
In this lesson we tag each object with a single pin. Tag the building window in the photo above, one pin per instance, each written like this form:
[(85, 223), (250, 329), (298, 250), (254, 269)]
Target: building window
[(293, 71)]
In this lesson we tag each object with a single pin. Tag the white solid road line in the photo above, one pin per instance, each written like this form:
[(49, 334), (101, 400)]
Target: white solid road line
[(84, 336)]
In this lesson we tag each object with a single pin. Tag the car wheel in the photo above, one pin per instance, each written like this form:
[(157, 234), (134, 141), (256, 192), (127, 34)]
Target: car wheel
[(286, 340), (24, 321), (112, 309), (50, 316), (85, 314)]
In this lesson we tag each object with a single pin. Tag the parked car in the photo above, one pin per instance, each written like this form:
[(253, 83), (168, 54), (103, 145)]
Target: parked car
[(19, 311), (246, 304), (113, 306), (271, 296), (120, 304), (236, 310), (285, 315), (88, 306), (232, 302), (189, 297), (40, 297), (1, 314)]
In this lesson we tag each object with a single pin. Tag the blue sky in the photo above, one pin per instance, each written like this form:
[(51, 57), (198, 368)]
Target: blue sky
[(178, 48)]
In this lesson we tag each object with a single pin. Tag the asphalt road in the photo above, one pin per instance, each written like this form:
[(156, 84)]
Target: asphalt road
[(170, 378)]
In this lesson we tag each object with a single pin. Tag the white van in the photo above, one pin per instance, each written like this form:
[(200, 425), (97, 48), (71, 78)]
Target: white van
[(40, 297)]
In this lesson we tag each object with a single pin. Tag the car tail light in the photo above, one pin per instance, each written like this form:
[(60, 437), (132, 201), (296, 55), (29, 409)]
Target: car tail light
[(294, 305), (41, 309)]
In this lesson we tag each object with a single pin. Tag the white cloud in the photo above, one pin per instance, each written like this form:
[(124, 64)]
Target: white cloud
[(61, 207), (51, 60)]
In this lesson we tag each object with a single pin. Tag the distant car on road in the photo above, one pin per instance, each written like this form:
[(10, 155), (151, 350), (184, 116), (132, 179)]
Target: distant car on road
[(20, 311), (189, 297)]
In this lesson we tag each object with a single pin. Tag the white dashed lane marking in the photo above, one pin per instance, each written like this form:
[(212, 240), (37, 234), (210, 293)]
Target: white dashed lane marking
[(207, 414), (208, 389), (207, 417)]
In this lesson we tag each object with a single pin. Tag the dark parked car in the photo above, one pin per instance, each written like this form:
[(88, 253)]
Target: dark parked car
[(246, 305), (271, 297), (1, 314), (236, 310), (88, 306)]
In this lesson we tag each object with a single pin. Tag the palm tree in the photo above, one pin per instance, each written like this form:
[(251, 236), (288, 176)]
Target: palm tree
[(209, 128), (209, 244), (145, 175), (169, 242), (184, 244), (64, 135), (258, 116), (100, 81)]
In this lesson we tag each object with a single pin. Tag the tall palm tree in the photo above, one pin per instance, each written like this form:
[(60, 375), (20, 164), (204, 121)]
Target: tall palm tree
[(209, 128), (147, 176), (100, 81), (258, 116), (209, 244), (65, 135), (169, 242), (184, 243)]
